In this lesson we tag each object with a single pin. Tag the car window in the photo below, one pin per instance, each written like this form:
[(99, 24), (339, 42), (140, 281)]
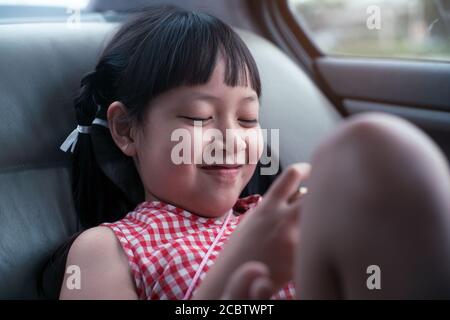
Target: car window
[(17, 11), (46, 3), (377, 28)]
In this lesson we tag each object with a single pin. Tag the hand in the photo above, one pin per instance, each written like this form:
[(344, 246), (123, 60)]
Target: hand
[(268, 234), (250, 281)]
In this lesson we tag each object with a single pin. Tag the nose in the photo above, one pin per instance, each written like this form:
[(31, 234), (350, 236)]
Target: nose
[(232, 143)]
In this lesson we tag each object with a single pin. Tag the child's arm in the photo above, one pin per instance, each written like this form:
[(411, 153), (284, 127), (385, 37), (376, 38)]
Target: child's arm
[(268, 234), (104, 269)]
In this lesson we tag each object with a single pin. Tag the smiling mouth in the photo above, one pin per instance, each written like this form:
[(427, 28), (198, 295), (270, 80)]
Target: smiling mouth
[(222, 167), (224, 172)]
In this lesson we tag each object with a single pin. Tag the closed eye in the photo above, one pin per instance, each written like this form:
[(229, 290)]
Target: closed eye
[(196, 119), (249, 122)]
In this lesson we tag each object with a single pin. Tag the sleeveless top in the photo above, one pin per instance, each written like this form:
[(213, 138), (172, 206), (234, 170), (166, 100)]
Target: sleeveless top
[(170, 249)]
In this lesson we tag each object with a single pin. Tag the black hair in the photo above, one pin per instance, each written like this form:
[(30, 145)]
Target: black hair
[(157, 50)]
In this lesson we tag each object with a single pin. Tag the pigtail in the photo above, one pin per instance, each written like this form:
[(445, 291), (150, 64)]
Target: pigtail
[(96, 198)]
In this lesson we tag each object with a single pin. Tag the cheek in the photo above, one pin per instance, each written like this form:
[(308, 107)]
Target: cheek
[(255, 146), (161, 176), (156, 148), (249, 170), (260, 143), (155, 156)]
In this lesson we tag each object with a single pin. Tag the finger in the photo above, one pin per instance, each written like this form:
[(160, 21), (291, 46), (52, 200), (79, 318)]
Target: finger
[(288, 183), (293, 234), (291, 216), (294, 209), (262, 288), (299, 194), (242, 279)]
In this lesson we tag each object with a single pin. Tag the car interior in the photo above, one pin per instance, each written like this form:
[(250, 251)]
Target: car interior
[(306, 92)]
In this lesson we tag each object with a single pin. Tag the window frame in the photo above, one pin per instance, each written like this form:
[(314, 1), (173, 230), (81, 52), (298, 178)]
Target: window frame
[(291, 34), (281, 26)]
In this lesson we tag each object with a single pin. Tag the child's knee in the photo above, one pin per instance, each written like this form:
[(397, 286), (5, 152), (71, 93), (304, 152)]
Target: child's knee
[(389, 138), (378, 187), (384, 161), (383, 143)]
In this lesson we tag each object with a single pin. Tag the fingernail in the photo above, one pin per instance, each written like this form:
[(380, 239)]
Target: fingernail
[(303, 190), (305, 166)]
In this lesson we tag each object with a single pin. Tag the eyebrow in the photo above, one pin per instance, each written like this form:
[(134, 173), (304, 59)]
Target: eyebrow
[(208, 97)]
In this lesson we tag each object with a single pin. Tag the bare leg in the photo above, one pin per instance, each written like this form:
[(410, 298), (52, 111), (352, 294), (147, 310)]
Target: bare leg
[(379, 194)]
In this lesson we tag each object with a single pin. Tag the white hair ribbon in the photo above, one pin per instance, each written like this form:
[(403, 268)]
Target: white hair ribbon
[(72, 139)]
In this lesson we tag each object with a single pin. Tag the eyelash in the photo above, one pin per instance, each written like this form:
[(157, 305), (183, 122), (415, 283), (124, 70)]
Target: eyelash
[(197, 119), (249, 121), (254, 121)]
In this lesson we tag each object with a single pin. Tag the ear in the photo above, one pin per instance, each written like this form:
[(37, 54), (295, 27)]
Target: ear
[(122, 130)]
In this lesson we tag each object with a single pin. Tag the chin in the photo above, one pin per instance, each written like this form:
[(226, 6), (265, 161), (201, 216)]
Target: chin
[(220, 204)]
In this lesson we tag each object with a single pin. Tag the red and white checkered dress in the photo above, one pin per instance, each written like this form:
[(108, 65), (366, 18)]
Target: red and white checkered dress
[(165, 246)]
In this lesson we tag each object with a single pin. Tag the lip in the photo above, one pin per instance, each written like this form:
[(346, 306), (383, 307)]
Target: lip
[(224, 171), (221, 167)]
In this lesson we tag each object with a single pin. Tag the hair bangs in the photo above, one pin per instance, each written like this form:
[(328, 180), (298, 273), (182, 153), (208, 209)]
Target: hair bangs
[(180, 48)]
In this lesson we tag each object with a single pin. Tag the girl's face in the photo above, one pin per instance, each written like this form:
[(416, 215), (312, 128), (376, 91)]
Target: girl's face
[(208, 191)]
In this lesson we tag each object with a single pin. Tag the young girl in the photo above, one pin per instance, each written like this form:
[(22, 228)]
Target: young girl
[(163, 224), (376, 200)]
